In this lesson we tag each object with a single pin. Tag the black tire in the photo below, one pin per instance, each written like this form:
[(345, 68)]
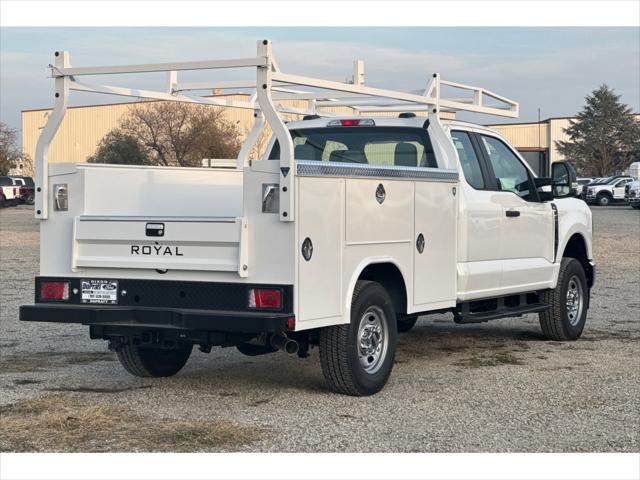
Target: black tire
[(406, 322), (557, 323), (339, 350), (153, 362), (603, 200)]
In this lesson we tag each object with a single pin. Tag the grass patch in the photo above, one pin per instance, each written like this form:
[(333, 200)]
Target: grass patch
[(96, 390), (65, 423), (26, 381), (36, 361), (493, 360)]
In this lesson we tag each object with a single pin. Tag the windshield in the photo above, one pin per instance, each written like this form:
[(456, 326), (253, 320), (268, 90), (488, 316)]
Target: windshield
[(399, 146)]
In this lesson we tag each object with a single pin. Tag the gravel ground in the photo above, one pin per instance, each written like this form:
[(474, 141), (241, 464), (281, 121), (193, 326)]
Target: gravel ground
[(495, 387)]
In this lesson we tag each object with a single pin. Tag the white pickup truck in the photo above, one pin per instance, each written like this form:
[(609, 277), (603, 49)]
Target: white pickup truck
[(607, 190), (347, 229), (9, 192)]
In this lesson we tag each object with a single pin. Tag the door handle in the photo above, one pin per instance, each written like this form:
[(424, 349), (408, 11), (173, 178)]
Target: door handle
[(513, 213)]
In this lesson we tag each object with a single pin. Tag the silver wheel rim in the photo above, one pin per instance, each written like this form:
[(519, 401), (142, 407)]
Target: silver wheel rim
[(575, 300), (373, 339)]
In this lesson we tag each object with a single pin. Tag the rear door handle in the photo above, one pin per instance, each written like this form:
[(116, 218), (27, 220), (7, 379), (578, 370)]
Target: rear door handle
[(513, 213)]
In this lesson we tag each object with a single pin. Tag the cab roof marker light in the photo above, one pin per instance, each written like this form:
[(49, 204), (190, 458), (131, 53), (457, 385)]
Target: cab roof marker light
[(352, 122)]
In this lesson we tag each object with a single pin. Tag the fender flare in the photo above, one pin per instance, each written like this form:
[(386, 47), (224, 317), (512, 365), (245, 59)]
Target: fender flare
[(364, 263), (562, 245)]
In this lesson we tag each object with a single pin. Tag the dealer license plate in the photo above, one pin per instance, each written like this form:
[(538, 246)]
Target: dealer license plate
[(99, 291)]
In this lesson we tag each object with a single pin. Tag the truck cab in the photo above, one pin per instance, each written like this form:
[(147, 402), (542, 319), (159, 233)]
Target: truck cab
[(607, 190), (349, 227)]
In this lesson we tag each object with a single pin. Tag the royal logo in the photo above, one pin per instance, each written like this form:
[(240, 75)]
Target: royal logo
[(157, 250)]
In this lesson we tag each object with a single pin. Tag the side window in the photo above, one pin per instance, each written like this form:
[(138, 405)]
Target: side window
[(468, 159), (511, 174)]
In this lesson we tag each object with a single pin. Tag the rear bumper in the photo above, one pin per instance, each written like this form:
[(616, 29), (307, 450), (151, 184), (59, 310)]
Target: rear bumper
[(164, 305), (149, 318)]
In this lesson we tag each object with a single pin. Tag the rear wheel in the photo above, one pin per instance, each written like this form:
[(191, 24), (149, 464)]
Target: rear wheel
[(153, 362), (566, 318), (357, 358), (406, 322), (603, 200)]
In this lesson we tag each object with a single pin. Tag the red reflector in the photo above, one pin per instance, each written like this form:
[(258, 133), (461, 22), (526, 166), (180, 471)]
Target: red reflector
[(262, 298), (54, 291), (291, 323), (350, 123)]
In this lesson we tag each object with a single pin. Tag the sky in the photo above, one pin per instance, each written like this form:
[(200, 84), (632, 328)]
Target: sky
[(546, 68)]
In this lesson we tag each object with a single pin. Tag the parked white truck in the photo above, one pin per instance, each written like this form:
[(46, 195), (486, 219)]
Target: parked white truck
[(348, 229)]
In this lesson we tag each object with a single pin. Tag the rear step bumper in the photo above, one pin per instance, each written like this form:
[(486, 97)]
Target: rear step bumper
[(151, 318)]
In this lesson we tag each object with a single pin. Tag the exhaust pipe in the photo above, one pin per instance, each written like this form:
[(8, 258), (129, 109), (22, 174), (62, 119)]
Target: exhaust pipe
[(281, 342)]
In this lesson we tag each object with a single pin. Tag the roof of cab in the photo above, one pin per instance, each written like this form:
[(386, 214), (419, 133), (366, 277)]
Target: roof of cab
[(413, 122)]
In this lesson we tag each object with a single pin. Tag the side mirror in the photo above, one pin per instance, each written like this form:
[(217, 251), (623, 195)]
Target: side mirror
[(565, 183), (544, 188)]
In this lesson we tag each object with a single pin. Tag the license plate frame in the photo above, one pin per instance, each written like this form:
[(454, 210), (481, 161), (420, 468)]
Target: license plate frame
[(99, 291)]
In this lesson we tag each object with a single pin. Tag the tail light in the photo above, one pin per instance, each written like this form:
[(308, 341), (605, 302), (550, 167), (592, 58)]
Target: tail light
[(352, 122), (54, 291), (265, 298)]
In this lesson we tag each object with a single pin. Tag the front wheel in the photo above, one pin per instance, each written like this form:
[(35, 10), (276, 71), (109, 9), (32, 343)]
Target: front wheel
[(568, 302), (153, 362), (603, 200), (357, 358)]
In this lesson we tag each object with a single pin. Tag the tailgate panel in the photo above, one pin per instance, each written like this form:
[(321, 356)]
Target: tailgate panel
[(188, 243)]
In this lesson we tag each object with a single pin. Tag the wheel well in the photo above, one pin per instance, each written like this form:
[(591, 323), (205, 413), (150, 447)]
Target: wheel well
[(389, 276), (604, 192), (577, 248)]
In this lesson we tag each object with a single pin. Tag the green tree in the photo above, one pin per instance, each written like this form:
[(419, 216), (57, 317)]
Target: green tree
[(10, 155), (605, 136), (120, 148)]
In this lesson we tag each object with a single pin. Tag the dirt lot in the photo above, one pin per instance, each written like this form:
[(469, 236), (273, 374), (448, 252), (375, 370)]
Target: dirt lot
[(493, 387)]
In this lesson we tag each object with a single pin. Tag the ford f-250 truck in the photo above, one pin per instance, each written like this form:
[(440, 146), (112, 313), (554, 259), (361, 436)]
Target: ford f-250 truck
[(347, 229)]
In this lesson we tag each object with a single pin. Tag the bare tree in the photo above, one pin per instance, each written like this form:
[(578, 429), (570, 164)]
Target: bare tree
[(179, 134), (11, 157)]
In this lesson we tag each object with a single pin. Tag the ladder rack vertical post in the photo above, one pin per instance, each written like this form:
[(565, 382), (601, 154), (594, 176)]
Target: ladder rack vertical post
[(251, 141), (61, 95), (287, 167)]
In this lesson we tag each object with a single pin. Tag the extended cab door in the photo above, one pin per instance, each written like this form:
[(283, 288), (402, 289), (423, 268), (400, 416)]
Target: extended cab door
[(480, 218), (527, 231), (618, 188)]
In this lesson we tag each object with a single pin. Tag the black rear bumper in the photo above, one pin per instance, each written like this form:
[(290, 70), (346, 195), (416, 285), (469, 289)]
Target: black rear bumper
[(170, 306), (150, 318)]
